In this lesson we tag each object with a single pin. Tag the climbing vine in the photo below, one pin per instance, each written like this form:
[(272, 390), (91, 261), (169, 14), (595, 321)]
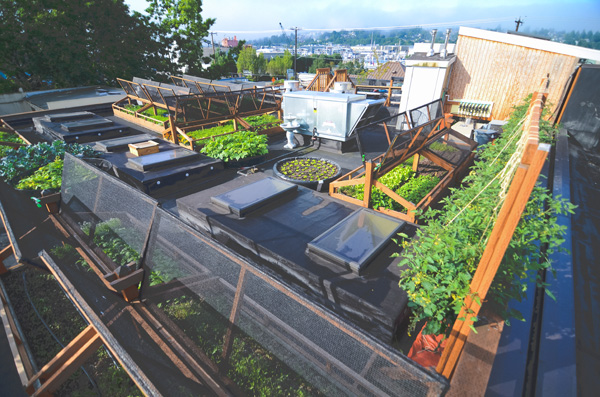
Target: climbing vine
[(439, 262)]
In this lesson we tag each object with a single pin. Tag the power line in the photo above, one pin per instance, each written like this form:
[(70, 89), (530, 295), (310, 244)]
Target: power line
[(437, 24)]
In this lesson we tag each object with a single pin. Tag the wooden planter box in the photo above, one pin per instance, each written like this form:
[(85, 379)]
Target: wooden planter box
[(143, 148), (142, 121)]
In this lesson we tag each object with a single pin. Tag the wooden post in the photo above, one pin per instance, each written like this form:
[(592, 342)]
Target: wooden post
[(235, 309), (65, 363), (368, 183), (389, 98), (415, 165)]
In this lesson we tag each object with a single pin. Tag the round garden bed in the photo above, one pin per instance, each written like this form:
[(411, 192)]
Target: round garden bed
[(307, 171)]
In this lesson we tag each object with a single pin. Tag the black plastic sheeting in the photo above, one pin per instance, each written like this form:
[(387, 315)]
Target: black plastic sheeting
[(585, 193), (581, 116)]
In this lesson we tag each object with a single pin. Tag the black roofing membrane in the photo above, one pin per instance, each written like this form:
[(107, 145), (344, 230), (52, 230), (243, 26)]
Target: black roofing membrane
[(277, 237)]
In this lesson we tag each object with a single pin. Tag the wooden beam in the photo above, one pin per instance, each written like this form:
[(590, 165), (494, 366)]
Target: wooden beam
[(5, 253), (65, 363), (368, 184)]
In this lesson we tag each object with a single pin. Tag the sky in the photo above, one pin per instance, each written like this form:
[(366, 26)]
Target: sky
[(251, 19)]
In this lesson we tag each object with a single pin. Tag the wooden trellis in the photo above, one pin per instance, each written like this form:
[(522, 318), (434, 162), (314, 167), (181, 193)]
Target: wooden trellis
[(324, 80), (411, 143), (520, 189)]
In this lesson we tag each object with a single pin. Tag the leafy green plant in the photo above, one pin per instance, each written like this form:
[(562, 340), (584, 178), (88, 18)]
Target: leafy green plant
[(308, 169), (208, 132), (401, 180), (107, 236), (441, 259), (236, 146), (22, 162), (48, 177), (158, 118), (8, 137)]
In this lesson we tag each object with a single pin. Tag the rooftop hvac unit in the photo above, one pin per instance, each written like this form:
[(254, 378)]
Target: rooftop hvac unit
[(328, 115)]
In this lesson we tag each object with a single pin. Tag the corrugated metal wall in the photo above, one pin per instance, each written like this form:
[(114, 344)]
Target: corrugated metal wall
[(506, 73)]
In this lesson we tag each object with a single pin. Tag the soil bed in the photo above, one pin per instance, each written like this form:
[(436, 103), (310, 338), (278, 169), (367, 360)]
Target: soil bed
[(32, 289)]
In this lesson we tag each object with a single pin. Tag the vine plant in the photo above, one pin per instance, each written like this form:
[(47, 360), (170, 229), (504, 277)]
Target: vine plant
[(439, 262)]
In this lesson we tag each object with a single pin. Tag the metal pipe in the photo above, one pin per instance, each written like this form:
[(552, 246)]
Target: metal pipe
[(433, 34), (444, 52)]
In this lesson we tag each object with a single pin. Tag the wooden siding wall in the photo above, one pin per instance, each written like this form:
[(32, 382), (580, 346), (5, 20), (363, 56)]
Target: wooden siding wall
[(505, 73)]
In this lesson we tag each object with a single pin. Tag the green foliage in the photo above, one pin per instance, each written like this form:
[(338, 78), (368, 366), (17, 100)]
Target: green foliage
[(439, 262), (161, 115), (22, 162), (324, 61), (353, 67), (248, 60), (259, 123), (253, 368), (278, 66), (180, 31), (401, 180), (224, 64), (48, 177), (8, 137), (108, 236), (236, 146), (73, 43)]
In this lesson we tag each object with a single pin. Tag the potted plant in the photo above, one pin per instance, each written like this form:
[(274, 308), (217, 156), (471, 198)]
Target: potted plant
[(239, 149)]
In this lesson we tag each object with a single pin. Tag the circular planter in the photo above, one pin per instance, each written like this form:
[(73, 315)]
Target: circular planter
[(247, 162), (307, 171)]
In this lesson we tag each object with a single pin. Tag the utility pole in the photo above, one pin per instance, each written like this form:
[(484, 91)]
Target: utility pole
[(212, 38), (295, 53), (518, 22)]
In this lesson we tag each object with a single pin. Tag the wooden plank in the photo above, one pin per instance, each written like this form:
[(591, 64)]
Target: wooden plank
[(368, 184), (66, 362), (395, 196), (5, 253)]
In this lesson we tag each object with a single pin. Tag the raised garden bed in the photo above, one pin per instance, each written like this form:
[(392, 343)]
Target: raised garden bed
[(146, 119), (32, 290)]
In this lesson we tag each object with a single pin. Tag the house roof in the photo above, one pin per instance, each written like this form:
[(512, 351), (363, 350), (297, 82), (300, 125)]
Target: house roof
[(387, 71)]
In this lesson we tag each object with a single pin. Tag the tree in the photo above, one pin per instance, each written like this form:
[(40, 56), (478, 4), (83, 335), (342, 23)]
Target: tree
[(279, 65), (224, 64), (181, 32), (63, 43), (248, 60)]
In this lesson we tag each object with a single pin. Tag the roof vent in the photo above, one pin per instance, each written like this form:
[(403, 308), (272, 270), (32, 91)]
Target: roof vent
[(444, 52), (431, 52)]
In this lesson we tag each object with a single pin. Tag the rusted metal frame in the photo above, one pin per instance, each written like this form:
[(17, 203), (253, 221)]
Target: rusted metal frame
[(279, 287), (65, 363), (136, 374)]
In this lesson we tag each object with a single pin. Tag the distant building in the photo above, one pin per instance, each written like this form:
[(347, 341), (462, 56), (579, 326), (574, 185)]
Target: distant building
[(228, 43)]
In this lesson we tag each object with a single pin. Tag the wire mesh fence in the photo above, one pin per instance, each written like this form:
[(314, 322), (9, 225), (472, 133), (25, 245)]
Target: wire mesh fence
[(257, 335)]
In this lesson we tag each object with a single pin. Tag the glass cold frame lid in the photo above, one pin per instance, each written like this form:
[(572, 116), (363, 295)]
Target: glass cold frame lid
[(357, 239), (160, 159), (247, 198)]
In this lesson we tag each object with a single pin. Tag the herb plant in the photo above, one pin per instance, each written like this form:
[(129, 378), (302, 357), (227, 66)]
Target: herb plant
[(439, 262), (236, 146)]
